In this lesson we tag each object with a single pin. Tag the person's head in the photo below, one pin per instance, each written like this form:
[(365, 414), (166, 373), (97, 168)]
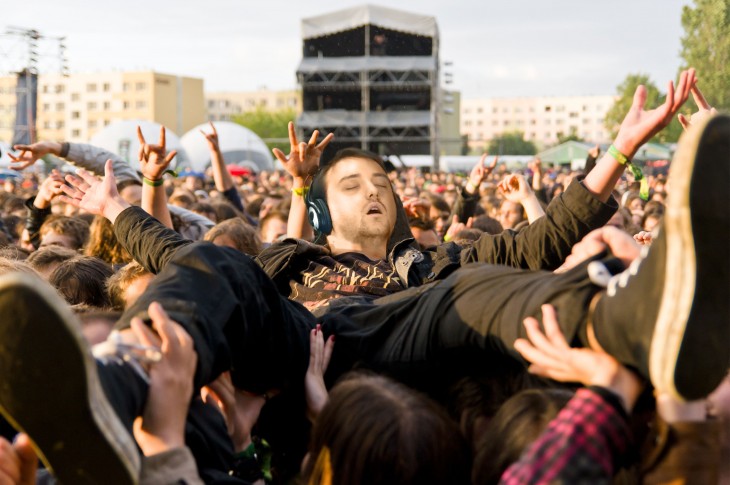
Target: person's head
[(634, 203), (374, 430), (424, 232), (96, 323), (487, 224), (47, 259), (193, 182), (359, 199), (103, 243), (182, 198), (237, 234), (205, 209), (273, 226), (127, 284), (439, 213), (510, 214), (517, 424), (272, 202), (82, 280), (69, 232)]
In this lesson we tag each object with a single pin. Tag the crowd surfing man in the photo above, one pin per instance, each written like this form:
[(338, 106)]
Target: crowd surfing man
[(420, 316)]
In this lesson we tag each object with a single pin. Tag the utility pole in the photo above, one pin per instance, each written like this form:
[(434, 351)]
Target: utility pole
[(27, 84)]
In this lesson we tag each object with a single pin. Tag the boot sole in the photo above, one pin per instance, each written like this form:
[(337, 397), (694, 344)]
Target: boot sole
[(689, 351), (49, 388)]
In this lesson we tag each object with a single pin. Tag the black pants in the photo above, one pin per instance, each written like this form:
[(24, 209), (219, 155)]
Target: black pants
[(239, 320)]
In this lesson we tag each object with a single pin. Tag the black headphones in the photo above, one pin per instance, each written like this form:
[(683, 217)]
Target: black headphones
[(317, 210)]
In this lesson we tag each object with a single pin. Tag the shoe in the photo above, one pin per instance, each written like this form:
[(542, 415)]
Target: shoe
[(690, 350), (50, 389), (668, 314)]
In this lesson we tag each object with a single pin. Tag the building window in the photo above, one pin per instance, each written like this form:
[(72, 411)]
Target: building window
[(140, 104), (47, 125), (59, 125), (479, 122), (494, 111), (60, 106), (75, 115), (107, 105), (106, 122), (126, 87), (45, 88), (573, 114), (548, 109), (467, 123), (60, 88), (91, 106), (140, 86), (126, 105), (585, 108), (46, 107), (92, 124), (107, 87), (91, 88), (76, 133), (211, 103), (479, 110), (75, 96)]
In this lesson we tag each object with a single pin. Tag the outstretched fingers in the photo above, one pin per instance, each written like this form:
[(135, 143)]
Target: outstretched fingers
[(327, 139), (292, 135)]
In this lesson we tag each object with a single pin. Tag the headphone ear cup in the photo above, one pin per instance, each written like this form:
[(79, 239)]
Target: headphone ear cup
[(319, 216)]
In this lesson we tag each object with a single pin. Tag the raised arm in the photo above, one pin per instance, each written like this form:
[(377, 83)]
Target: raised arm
[(638, 127), (302, 163), (516, 189), (153, 162), (144, 237), (468, 198), (89, 157), (223, 180)]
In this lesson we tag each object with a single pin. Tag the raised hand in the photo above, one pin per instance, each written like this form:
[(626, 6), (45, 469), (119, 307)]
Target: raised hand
[(50, 188), (515, 188), (154, 159), (212, 138), (551, 356), (303, 159), (18, 461), (639, 125), (98, 197), (315, 391), (456, 227), (417, 207), (29, 154), (704, 109), (479, 173), (162, 424)]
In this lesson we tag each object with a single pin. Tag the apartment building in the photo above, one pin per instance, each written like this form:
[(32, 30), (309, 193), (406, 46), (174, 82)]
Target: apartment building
[(541, 119), (75, 107), (222, 106)]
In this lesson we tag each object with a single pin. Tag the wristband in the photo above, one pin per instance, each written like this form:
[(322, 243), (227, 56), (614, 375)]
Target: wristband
[(470, 188), (447, 238), (152, 183), (617, 155), (635, 171), (301, 191)]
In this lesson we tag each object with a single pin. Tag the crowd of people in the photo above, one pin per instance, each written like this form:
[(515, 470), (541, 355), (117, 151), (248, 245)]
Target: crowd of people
[(343, 320)]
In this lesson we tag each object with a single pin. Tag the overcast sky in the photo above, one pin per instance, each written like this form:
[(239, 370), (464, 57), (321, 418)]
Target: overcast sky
[(498, 48)]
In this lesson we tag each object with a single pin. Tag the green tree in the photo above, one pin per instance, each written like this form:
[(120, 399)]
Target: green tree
[(269, 125), (706, 47), (654, 97), (511, 143)]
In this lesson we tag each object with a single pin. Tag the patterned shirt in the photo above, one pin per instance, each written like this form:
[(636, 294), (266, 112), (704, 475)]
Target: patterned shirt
[(344, 275), (583, 444)]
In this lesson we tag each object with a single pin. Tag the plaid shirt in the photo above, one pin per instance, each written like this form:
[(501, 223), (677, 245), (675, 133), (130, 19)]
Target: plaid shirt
[(581, 445)]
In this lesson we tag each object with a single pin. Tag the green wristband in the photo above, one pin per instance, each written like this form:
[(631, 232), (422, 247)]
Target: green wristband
[(617, 155), (152, 183)]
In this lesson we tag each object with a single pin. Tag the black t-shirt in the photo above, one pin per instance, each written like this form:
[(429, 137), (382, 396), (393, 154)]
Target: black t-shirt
[(344, 275)]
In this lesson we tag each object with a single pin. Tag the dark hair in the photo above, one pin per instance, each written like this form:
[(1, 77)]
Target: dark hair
[(374, 430), (224, 211), (518, 423), (422, 224), (50, 255), (82, 280), (128, 183), (343, 154), (487, 224)]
